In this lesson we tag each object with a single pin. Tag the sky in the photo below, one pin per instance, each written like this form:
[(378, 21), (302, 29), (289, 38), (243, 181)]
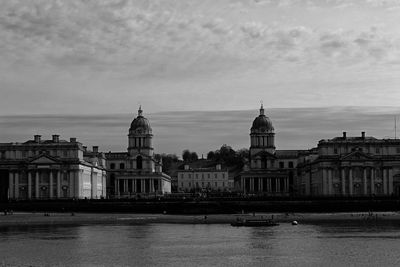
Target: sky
[(94, 59)]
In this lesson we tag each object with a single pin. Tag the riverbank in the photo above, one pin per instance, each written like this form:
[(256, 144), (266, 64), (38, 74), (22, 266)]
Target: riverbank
[(24, 218)]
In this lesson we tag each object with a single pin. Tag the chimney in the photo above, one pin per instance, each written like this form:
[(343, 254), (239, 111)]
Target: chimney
[(72, 139), (363, 135), (95, 149), (56, 138), (37, 138), (344, 135), (186, 167)]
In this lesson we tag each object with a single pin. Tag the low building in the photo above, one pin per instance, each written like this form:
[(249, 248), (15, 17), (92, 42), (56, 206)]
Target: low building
[(136, 172), (204, 177), (51, 169), (352, 166)]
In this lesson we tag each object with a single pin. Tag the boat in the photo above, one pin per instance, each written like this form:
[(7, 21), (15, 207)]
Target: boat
[(254, 222)]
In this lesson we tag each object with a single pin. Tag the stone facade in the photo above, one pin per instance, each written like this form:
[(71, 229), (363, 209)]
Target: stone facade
[(51, 169), (136, 172), (352, 166), (269, 172)]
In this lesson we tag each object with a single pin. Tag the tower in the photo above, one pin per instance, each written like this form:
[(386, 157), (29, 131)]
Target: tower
[(262, 136), (140, 137)]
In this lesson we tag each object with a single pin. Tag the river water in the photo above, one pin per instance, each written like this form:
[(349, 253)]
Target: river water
[(334, 244)]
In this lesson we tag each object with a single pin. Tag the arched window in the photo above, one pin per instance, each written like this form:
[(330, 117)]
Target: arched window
[(122, 166), (139, 162), (112, 166)]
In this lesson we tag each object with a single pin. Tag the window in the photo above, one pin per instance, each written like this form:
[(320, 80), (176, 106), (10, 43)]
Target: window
[(139, 163), (398, 150), (202, 184), (216, 184), (65, 153), (190, 176), (215, 176), (190, 184), (122, 166), (281, 165), (223, 183), (182, 175), (335, 151), (290, 164), (377, 150), (182, 184), (208, 176), (112, 166), (202, 176), (223, 175), (197, 175)]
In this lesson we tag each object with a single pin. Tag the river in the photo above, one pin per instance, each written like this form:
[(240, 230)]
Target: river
[(339, 244)]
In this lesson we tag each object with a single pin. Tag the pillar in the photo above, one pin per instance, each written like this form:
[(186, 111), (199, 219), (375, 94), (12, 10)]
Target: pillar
[(269, 184), (16, 185), (261, 184), (350, 182), (51, 184), (58, 184), (252, 184), (133, 185), (277, 185), (71, 184), (385, 181), (343, 181), (117, 187), (37, 184), (143, 186), (365, 181), (324, 182), (29, 185), (11, 185), (373, 173), (390, 181)]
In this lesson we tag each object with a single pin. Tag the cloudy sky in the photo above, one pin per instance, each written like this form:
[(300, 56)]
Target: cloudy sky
[(90, 58)]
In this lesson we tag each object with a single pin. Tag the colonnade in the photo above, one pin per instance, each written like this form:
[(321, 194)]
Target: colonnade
[(32, 185), (347, 183), (130, 186), (265, 184)]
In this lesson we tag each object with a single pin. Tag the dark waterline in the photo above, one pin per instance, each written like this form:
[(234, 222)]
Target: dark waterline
[(343, 244)]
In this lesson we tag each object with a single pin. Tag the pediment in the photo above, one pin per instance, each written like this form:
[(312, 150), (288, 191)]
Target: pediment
[(43, 159), (356, 155)]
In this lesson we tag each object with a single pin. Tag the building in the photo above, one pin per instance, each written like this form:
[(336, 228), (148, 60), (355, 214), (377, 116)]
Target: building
[(136, 172), (351, 166), (210, 178), (51, 169), (269, 171)]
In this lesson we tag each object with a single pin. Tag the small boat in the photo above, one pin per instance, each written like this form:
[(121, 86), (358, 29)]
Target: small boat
[(254, 222)]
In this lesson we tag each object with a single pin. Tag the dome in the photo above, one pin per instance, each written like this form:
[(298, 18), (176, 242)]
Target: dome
[(140, 124), (262, 123)]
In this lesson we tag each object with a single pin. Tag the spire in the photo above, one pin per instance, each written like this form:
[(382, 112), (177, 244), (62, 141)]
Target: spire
[(140, 111), (262, 109)]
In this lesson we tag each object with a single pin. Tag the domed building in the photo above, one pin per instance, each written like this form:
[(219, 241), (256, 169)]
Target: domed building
[(269, 171), (136, 172)]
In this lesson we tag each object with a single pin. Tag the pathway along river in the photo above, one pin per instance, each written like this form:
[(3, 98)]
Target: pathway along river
[(345, 243)]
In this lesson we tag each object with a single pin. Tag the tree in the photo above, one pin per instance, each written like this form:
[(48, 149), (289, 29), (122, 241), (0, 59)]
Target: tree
[(193, 156), (211, 155), (186, 155)]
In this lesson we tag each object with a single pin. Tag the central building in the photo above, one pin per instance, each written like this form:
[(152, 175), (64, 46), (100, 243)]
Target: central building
[(137, 172), (269, 171)]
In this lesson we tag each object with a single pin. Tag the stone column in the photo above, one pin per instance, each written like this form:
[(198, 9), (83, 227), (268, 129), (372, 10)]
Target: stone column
[(261, 184), (350, 182), (58, 184), (117, 187), (390, 181), (10, 185), (71, 184), (37, 185), (373, 172), (269, 185), (133, 185), (324, 182), (143, 186), (343, 181), (384, 183), (51, 184), (365, 182), (278, 185), (16, 185), (29, 185)]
